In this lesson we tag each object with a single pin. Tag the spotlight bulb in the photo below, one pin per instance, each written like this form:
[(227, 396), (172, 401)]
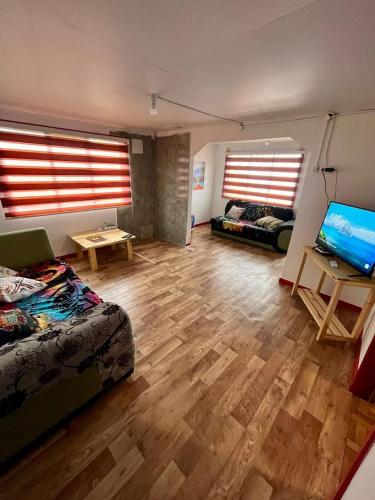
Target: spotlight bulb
[(153, 110)]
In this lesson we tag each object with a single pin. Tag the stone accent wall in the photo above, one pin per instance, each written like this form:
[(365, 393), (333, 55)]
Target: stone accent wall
[(172, 161), (140, 218)]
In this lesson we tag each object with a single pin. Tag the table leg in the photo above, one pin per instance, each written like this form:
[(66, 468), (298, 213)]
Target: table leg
[(321, 281), (296, 283), (330, 309), (92, 258), (130, 249), (79, 251), (364, 314)]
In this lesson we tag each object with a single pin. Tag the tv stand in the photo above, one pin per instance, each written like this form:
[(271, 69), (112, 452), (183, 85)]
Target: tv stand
[(330, 327)]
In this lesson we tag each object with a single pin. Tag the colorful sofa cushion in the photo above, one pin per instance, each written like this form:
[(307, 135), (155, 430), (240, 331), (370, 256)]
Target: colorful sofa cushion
[(15, 324), (235, 213), (269, 222), (255, 211), (5, 271), (15, 288), (62, 296)]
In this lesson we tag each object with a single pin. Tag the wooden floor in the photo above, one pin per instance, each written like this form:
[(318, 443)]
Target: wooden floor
[(231, 396)]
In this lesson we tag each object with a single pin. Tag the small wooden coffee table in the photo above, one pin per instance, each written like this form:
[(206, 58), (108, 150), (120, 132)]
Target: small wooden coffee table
[(91, 240)]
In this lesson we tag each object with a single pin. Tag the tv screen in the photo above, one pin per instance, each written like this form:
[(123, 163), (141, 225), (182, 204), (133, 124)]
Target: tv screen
[(349, 232)]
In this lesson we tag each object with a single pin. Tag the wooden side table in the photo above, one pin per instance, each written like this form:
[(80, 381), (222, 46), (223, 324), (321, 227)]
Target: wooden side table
[(330, 327), (91, 240)]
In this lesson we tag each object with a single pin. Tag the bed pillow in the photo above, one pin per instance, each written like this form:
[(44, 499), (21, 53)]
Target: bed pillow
[(235, 213), (15, 324), (269, 222), (5, 272), (15, 288)]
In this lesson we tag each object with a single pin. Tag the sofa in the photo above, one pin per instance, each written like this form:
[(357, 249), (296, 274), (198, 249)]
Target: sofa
[(82, 345), (246, 230)]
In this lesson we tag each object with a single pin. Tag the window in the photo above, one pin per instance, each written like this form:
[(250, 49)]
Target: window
[(47, 173), (270, 178)]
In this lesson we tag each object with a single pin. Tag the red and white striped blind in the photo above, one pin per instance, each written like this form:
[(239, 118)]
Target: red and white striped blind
[(43, 173), (270, 178)]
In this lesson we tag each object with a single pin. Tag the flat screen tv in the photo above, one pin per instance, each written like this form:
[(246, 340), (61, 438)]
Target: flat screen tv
[(349, 233)]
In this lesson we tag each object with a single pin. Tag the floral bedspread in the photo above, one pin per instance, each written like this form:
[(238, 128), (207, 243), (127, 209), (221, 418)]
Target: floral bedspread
[(65, 295), (100, 335)]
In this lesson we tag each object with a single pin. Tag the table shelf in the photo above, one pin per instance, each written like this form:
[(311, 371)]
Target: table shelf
[(318, 308), (330, 327)]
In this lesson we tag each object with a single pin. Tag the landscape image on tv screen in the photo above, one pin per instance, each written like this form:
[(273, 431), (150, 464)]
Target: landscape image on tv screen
[(349, 232)]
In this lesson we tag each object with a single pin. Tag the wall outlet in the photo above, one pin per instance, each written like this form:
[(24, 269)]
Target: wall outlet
[(146, 231)]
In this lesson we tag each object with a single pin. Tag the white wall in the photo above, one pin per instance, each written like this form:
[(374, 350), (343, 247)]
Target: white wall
[(362, 486), (58, 226), (201, 200), (218, 202), (352, 152)]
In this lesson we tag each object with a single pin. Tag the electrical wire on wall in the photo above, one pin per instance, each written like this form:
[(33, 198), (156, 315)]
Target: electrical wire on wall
[(325, 187), (324, 170), (324, 150)]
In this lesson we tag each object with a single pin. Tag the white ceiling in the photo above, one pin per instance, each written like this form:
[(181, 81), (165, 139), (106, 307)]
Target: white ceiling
[(98, 60)]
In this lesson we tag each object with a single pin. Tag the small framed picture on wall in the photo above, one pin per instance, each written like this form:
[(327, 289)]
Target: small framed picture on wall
[(199, 171)]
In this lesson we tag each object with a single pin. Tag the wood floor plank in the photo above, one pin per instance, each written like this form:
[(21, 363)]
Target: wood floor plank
[(141, 482), (301, 389), (233, 475), (231, 396), (243, 384), (121, 472), (212, 459), (168, 483), (219, 367), (325, 477), (255, 487), (81, 485), (289, 454), (252, 399)]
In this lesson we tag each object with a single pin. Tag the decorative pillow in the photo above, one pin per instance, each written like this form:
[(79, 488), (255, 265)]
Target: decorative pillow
[(15, 288), (5, 272), (269, 222), (15, 324), (235, 213)]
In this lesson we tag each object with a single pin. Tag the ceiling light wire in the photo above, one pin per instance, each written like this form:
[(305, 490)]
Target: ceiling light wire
[(191, 108)]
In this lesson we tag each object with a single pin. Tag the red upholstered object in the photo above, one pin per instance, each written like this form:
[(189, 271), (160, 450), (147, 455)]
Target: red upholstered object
[(363, 384)]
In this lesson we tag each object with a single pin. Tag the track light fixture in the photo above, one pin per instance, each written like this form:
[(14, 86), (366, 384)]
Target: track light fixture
[(154, 99)]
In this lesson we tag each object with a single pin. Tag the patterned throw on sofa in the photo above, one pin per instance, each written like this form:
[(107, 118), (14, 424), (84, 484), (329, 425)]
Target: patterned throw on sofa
[(65, 296), (73, 329)]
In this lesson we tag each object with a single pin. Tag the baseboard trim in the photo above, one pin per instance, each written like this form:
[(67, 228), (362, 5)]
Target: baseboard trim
[(202, 223), (342, 303), (67, 256)]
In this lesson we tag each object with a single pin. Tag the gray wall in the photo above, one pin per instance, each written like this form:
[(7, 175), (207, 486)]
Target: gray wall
[(160, 188), (140, 218), (172, 160)]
